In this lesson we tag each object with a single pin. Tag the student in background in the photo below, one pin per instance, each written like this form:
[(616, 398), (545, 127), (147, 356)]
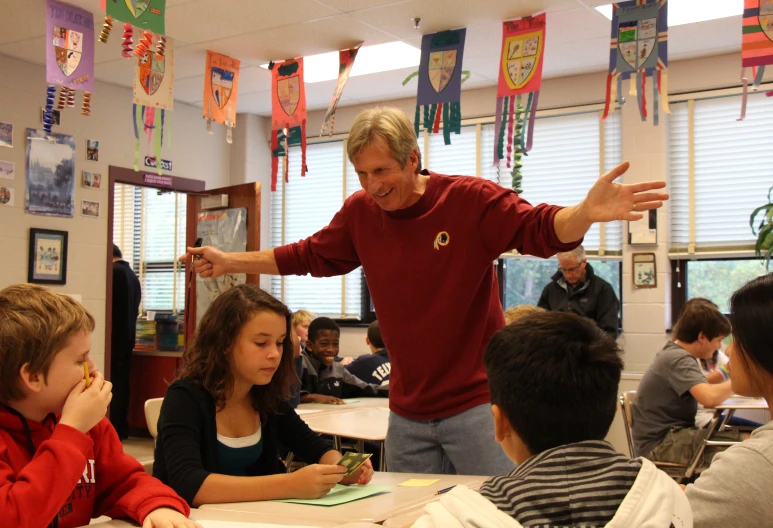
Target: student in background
[(127, 295), (669, 392), (374, 367), (61, 462), (301, 321), (734, 489), (324, 379), (224, 418), (516, 312), (554, 379)]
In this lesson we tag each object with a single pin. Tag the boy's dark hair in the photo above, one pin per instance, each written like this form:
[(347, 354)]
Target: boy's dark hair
[(117, 252), (700, 315), (374, 335), (555, 377), (321, 323)]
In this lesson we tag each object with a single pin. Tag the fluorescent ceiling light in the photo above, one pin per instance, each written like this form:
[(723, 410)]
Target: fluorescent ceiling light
[(370, 59), (689, 11)]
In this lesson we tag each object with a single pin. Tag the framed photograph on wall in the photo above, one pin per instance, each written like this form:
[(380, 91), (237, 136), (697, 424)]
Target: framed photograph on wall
[(48, 257), (645, 273)]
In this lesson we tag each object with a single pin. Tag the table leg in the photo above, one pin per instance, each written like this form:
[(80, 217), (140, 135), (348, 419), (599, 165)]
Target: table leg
[(728, 414), (382, 462), (337, 443)]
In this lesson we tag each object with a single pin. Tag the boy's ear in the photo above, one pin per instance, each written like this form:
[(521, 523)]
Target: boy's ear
[(367, 340), (31, 381), (502, 427)]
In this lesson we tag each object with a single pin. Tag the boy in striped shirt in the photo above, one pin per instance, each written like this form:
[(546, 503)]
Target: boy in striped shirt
[(554, 379)]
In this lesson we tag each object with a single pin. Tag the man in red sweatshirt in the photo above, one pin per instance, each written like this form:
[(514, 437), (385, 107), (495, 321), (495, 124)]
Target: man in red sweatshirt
[(426, 243), (61, 462)]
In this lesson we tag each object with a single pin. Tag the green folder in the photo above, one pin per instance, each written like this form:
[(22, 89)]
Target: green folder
[(341, 495)]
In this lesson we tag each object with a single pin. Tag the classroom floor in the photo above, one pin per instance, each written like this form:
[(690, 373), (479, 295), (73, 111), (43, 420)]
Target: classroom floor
[(139, 448)]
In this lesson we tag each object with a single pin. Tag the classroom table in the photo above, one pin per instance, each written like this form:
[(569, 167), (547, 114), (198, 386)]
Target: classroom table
[(354, 403), (222, 515), (360, 423), (375, 509), (717, 424)]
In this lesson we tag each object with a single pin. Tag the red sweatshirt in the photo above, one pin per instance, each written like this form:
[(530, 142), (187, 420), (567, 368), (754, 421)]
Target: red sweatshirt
[(431, 277), (73, 475)]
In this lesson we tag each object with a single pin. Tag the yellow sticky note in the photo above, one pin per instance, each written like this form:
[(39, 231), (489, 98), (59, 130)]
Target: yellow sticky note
[(418, 483)]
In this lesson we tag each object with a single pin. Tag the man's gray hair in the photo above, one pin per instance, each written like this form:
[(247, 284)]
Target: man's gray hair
[(578, 253)]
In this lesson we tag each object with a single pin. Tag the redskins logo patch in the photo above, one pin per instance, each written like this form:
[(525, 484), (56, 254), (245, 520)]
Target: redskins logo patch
[(442, 239)]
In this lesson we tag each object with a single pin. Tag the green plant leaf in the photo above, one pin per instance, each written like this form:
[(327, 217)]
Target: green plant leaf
[(761, 238), (765, 208)]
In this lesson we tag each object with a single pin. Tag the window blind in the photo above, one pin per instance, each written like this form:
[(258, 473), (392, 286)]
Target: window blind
[(563, 164), (302, 207), (458, 158), (732, 161), (150, 228)]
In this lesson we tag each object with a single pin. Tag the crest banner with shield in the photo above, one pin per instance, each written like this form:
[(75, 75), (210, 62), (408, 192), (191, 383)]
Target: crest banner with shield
[(288, 115), (144, 14), (440, 83), (153, 98), (638, 49), (756, 45), (520, 74), (69, 58), (221, 91)]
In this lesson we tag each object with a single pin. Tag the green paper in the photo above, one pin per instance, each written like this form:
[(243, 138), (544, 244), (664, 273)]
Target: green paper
[(341, 495), (157, 138), (417, 120), (447, 124), (145, 14)]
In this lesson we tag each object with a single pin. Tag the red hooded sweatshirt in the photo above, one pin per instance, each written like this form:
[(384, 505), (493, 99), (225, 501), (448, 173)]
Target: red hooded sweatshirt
[(71, 477)]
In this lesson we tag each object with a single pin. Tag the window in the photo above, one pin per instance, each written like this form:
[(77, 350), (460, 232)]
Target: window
[(307, 205), (715, 280), (730, 172), (138, 217), (563, 165), (525, 278), (730, 177), (565, 162)]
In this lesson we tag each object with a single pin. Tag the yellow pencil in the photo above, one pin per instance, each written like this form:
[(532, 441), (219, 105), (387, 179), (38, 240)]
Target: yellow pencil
[(86, 374)]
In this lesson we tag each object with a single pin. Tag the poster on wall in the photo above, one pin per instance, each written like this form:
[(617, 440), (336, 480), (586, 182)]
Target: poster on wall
[(288, 115), (50, 182), (225, 230), (69, 46)]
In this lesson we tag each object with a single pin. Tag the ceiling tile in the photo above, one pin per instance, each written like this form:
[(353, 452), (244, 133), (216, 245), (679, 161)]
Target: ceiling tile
[(208, 20), (310, 38), (22, 20)]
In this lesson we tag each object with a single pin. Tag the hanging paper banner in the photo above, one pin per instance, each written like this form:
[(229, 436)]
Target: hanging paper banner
[(757, 45), (144, 14), (69, 55), (288, 114), (69, 46), (345, 63), (153, 96), (520, 73), (221, 91), (440, 83), (639, 48)]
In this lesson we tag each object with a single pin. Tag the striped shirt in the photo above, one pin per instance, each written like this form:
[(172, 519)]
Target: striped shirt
[(576, 485)]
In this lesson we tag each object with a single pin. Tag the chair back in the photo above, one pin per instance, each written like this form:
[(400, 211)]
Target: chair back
[(627, 401), (152, 412)]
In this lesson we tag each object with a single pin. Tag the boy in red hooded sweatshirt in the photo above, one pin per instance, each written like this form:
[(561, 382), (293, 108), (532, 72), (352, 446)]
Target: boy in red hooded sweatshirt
[(61, 462)]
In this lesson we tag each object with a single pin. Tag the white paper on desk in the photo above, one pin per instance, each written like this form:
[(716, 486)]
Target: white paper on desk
[(299, 412), (231, 524)]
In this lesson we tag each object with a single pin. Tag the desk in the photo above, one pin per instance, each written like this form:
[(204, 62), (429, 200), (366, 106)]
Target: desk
[(717, 424), (220, 515), (375, 509), (363, 423), (359, 404)]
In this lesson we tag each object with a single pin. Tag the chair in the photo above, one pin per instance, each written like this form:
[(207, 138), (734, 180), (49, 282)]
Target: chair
[(152, 412), (676, 471)]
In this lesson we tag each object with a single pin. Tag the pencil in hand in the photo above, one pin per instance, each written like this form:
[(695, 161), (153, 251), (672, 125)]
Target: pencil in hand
[(86, 374)]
